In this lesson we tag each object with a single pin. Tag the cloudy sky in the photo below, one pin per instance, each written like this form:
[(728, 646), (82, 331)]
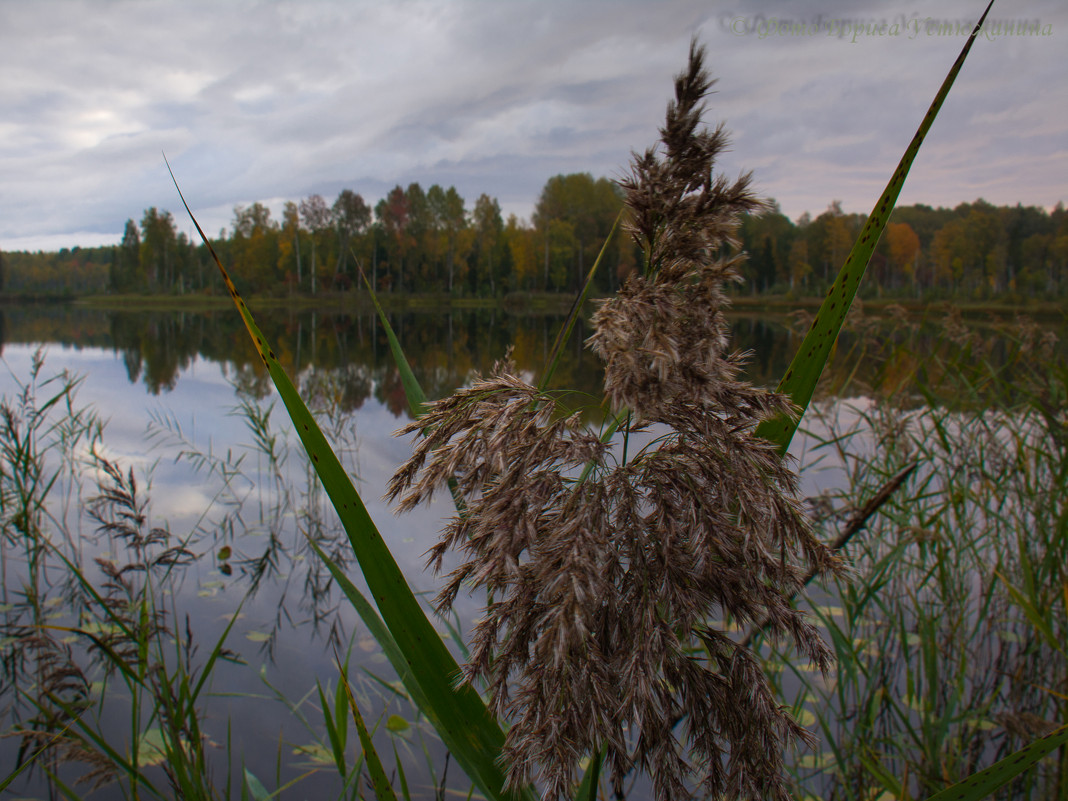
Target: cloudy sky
[(275, 101)]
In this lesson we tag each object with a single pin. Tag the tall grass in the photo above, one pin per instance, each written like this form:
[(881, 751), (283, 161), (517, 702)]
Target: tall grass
[(950, 639), (106, 687)]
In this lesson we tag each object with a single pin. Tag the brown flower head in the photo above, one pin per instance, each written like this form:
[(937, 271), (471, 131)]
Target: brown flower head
[(605, 577)]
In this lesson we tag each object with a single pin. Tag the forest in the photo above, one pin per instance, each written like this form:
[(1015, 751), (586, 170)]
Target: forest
[(430, 241)]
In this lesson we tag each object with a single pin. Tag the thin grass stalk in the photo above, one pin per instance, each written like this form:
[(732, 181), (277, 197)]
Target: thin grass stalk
[(576, 307), (379, 781)]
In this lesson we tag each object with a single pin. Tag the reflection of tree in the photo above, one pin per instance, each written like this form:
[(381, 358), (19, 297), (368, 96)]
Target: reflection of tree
[(250, 382), (348, 356), (346, 388)]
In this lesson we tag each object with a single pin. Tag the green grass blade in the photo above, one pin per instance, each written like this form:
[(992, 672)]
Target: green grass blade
[(336, 746), (383, 789), (401, 775), (980, 785), (1036, 618), (216, 652), (587, 790), (464, 723), (378, 630), (576, 307), (413, 391), (33, 757), (804, 371)]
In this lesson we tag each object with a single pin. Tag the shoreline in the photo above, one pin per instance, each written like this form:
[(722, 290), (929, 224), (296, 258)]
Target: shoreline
[(518, 302)]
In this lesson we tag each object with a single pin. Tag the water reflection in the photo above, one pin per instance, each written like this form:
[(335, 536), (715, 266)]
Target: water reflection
[(238, 490), (875, 354)]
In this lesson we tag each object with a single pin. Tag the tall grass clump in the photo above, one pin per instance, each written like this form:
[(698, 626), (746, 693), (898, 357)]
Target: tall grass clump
[(104, 687), (951, 638), (84, 616)]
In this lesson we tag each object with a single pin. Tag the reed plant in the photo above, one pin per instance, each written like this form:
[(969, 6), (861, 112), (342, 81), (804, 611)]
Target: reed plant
[(105, 623)]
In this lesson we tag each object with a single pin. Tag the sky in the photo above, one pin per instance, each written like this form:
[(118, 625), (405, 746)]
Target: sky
[(274, 101)]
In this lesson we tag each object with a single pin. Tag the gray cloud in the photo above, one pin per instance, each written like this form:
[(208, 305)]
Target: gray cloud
[(260, 100)]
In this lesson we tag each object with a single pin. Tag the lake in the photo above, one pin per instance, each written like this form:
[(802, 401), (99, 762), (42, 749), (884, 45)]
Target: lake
[(185, 405)]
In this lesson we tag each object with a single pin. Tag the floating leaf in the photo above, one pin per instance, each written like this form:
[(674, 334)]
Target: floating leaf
[(315, 752), (397, 724), (255, 787), (151, 749)]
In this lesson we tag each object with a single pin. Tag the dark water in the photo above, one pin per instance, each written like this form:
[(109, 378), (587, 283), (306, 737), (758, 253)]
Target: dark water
[(189, 410)]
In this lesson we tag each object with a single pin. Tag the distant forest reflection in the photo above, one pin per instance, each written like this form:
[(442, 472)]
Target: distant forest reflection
[(445, 347)]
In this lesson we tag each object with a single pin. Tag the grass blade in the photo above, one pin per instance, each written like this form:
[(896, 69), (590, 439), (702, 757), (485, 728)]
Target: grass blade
[(412, 389), (378, 630), (7, 780), (383, 789), (804, 371), (587, 790), (464, 723), (576, 307), (980, 785)]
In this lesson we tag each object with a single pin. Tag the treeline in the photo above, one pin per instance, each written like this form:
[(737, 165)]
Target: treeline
[(975, 250), (413, 240), (430, 241)]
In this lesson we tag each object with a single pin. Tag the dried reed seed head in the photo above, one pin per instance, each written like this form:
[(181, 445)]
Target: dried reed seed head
[(603, 587)]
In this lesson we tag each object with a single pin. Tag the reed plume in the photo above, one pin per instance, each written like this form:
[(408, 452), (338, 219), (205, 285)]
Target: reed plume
[(604, 574)]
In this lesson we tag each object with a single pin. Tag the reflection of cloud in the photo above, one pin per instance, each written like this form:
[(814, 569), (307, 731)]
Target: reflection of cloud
[(272, 101)]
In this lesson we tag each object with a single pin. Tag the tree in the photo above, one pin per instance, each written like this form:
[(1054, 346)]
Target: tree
[(254, 249), (904, 250), (392, 213), (126, 274), (352, 216), (419, 232), (289, 261), (830, 237), (522, 248), (158, 242), (589, 207), (447, 207), (318, 220), (947, 250), (488, 227), (767, 238), (798, 264)]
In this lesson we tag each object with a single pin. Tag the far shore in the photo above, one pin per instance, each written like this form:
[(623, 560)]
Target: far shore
[(518, 302)]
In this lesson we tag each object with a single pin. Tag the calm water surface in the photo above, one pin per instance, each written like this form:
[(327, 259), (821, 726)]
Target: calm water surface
[(188, 409)]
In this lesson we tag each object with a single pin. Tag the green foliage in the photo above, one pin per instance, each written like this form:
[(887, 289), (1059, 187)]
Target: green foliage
[(975, 250)]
